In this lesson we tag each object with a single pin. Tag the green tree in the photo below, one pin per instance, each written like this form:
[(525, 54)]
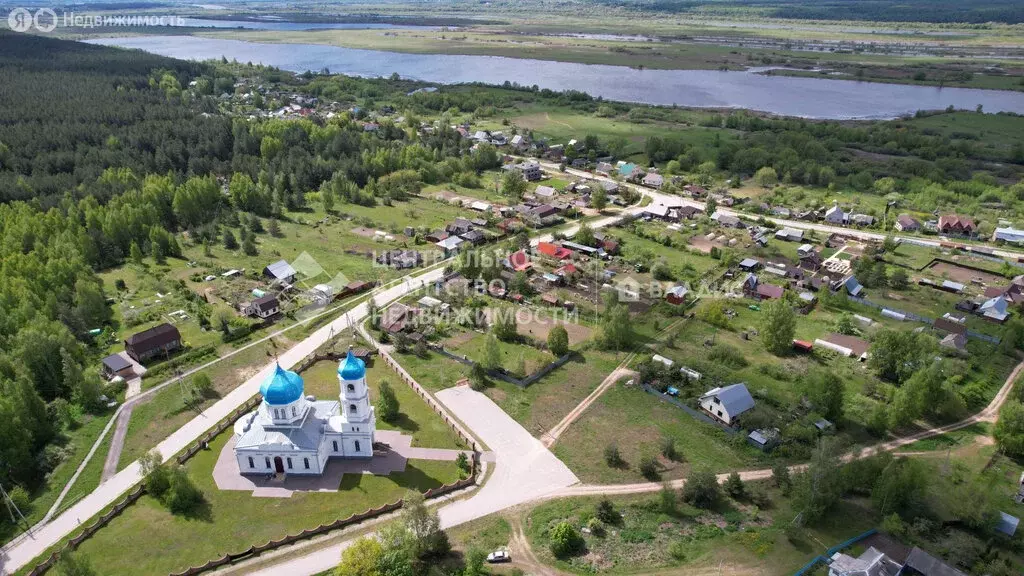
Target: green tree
[(896, 354), (898, 279), (599, 199), (606, 512), (492, 353), (701, 489), (230, 242), (781, 477), (558, 341), (182, 495), (475, 559), (901, 488), (135, 253), (734, 486), (387, 403), (585, 235), (504, 327), (565, 540), (429, 540), (616, 329), (845, 324), (249, 246), (818, 488), (361, 558), (825, 390), (1009, 429), (766, 177), (512, 185), (778, 324)]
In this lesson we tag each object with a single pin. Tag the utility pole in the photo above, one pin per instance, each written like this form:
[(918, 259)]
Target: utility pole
[(12, 508)]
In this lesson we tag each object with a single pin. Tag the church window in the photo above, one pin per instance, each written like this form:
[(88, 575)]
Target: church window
[(352, 408), (266, 459), (306, 462), (289, 463), (335, 445), (294, 413), (351, 388), (251, 463), (357, 445)]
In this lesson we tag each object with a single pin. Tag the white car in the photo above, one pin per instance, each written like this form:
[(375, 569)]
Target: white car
[(498, 557)]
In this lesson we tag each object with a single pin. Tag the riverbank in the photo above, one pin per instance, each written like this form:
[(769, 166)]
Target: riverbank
[(814, 98)]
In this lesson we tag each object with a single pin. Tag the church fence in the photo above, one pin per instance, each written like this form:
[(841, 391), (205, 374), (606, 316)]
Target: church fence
[(322, 529), (434, 404), (100, 522), (221, 426), (227, 422)]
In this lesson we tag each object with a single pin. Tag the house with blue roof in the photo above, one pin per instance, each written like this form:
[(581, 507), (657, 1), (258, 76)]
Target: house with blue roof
[(291, 433), (728, 403)]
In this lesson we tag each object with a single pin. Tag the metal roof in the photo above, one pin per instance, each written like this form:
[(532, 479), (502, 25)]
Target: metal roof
[(735, 398)]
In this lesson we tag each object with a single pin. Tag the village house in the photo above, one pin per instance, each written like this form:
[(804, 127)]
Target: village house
[(280, 271), (728, 220), (835, 215), (1008, 235), (264, 307), (159, 340), (401, 259), (653, 180), (553, 251), (790, 235), (397, 318), (676, 295), (727, 404), (959, 225), (862, 219), (604, 168), (904, 223), (545, 193), (519, 261)]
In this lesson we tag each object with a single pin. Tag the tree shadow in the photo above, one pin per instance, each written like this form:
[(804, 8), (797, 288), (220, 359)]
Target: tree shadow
[(202, 512), (405, 424)]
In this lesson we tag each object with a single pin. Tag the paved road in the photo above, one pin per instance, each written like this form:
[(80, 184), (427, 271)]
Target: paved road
[(26, 549), (524, 471)]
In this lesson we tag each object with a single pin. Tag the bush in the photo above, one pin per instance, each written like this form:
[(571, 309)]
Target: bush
[(182, 495), (728, 355), (635, 535), (566, 540), (734, 486), (612, 456), (668, 448), (462, 461), (677, 550), (701, 489), (649, 467), (596, 527), (558, 341), (387, 403), (606, 512)]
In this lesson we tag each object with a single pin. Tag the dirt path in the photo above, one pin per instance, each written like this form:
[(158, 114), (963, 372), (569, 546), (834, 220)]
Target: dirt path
[(522, 553), (117, 442), (551, 436), (989, 414), (550, 119)]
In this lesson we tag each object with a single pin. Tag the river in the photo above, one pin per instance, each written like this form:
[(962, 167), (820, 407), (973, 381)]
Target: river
[(784, 95), (293, 26)]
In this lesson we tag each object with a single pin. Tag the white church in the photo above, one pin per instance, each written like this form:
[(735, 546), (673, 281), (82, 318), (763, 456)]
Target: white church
[(291, 433)]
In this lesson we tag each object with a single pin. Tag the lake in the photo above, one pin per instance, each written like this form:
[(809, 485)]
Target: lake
[(784, 95)]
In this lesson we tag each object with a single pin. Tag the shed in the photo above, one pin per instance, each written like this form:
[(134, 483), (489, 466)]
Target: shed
[(1007, 524), (281, 271), (667, 362), (117, 365)]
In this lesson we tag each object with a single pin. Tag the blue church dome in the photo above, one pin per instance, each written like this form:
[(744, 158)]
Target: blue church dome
[(352, 368), (282, 387)]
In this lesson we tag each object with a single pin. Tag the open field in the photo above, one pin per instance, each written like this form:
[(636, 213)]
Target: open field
[(227, 522)]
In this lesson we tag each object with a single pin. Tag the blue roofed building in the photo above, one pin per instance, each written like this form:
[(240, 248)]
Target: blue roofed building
[(291, 433), (1006, 524), (728, 403), (853, 287)]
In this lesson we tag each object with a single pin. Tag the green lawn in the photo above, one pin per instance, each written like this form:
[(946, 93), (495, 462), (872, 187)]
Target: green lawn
[(78, 443), (511, 353), (147, 539), (636, 422), (545, 402), (416, 419)]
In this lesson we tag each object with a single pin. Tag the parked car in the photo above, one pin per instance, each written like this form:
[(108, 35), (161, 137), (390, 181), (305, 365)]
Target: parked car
[(498, 557)]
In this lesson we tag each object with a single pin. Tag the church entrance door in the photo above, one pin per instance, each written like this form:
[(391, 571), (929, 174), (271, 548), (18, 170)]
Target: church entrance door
[(278, 465)]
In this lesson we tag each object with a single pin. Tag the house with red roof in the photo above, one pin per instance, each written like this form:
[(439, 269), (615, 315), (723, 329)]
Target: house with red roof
[(553, 251), (566, 270), (520, 261), (953, 224)]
